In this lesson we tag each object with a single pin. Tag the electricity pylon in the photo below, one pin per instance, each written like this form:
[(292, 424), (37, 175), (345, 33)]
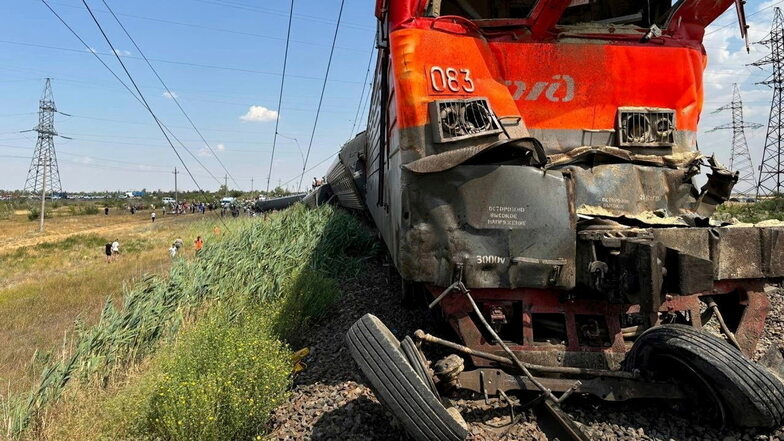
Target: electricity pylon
[(740, 158), (44, 174), (771, 169)]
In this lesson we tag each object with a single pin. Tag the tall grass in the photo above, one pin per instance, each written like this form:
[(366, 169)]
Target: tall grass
[(283, 264)]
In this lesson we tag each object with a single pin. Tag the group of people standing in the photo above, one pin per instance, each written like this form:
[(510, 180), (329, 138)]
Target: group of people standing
[(184, 207), (112, 249)]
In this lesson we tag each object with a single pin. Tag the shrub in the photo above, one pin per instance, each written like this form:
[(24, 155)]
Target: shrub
[(35, 214), (220, 381)]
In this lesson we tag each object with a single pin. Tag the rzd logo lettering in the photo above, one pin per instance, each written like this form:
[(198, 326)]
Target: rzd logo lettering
[(561, 89)]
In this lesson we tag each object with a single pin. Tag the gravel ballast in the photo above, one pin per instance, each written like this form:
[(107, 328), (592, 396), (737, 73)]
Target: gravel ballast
[(331, 400)]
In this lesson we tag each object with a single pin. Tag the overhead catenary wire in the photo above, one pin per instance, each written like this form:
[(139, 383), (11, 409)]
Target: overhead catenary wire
[(139, 92), (140, 96), (362, 94), (714, 30), (171, 95), (117, 77), (323, 89), (268, 11), (311, 168), (280, 95), (209, 28), (176, 62)]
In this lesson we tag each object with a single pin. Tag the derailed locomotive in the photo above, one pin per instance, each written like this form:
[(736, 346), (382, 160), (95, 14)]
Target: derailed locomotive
[(530, 166)]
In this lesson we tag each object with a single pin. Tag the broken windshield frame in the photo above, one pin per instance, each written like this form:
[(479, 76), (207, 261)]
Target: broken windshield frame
[(578, 16), (502, 13)]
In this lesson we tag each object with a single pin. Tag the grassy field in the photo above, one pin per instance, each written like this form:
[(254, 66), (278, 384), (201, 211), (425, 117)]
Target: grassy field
[(203, 351), (771, 208), (51, 280)]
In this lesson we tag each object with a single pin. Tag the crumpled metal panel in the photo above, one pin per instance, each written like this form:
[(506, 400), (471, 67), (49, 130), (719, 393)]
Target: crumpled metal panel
[(653, 195), (508, 226)]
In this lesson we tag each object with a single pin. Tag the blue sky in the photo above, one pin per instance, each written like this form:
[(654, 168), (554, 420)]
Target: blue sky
[(220, 57), (247, 40)]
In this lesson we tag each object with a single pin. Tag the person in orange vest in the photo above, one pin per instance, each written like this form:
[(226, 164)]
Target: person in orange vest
[(199, 244)]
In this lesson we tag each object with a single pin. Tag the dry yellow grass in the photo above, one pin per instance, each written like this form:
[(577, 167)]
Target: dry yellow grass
[(50, 280)]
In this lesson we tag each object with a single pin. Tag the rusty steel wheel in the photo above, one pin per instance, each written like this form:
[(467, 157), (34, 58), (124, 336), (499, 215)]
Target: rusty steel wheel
[(733, 387), (398, 386)]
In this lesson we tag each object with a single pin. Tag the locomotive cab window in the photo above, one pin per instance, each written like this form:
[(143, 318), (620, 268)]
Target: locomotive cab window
[(642, 13), (482, 9)]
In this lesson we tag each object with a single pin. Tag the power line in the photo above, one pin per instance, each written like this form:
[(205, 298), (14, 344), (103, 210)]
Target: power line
[(161, 125), (771, 169), (181, 63), (748, 16), (280, 96), (209, 28), (171, 94), (247, 7), (364, 86), (144, 100), (740, 158), (140, 97), (323, 88), (310, 169)]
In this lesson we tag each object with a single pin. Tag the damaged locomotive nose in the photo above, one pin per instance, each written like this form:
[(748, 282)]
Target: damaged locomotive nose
[(530, 168)]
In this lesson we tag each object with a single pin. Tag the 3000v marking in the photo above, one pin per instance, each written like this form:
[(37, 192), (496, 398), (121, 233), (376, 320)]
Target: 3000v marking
[(492, 260)]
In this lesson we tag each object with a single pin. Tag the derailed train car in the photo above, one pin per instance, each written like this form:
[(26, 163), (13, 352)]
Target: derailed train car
[(530, 166)]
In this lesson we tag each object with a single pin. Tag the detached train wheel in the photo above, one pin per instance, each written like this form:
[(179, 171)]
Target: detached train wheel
[(398, 386), (714, 372)]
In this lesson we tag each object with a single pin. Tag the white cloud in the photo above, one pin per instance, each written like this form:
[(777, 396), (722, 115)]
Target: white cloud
[(259, 114), (93, 50), (84, 160), (221, 147), (170, 95), (204, 151)]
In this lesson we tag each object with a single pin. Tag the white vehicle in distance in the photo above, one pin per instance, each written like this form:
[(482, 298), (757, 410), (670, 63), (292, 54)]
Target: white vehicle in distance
[(168, 200), (227, 201)]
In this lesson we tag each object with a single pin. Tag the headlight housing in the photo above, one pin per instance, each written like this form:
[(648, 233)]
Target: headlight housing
[(453, 120), (646, 127)]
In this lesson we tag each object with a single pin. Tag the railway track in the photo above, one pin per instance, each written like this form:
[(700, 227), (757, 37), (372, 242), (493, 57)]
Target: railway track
[(331, 400)]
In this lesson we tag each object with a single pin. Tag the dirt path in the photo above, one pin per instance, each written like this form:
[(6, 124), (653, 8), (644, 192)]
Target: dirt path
[(62, 228)]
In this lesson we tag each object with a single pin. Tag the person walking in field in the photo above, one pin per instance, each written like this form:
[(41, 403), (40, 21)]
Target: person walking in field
[(115, 248), (198, 244), (108, 251), (173, 250), (105, 211), (152, 216)]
